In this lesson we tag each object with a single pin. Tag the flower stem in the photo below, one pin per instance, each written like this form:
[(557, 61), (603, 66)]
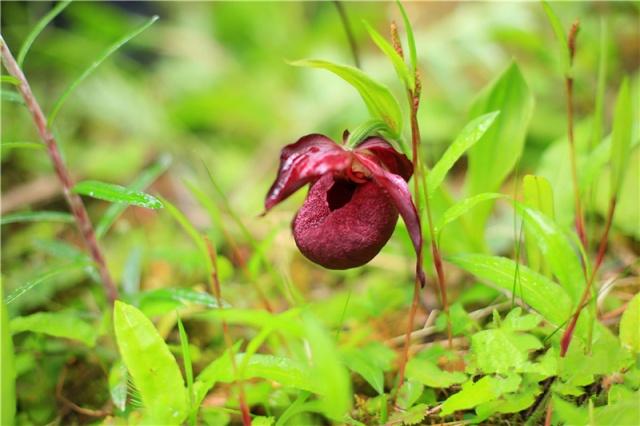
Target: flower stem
[(347, 29), (75, 202), (214, 287)]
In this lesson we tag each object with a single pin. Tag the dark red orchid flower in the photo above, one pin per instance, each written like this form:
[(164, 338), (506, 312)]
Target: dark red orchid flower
[(352, 206)]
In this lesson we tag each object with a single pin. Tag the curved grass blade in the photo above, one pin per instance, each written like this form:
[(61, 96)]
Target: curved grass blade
[(25, 145), (371, 128), (116, 194), (378, 98), (398, 63), (145, 179), (559, 32), (37, 29), (411, 42), (470, 134), (153, 368), (538, 195), (188, 367), (41, 216), (87, 72), (20, 291), (462, 207)]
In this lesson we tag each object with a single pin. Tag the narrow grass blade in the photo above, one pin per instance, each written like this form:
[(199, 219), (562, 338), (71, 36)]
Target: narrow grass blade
[(58, 324), (110, 50), (188, 367), (154, 370), (621, 137), (400, 66), (559, 32), (146, 178), (538, 196), (23, 145), (37, 29), (7, 372), (462, 207), (411, 42), (116, 194), (41, 216), (9, 79), (22, 290)]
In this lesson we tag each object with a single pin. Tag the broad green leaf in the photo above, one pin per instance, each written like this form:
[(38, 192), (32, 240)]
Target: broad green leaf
[(378, 98), (7, 372), (146, 178), (154, 370), (502, 351), (37, 29), (116, 194), (57, 324), (538, 195), (41, 216), (411, 416), (331, 377), (366, 368), (429, 374), (534, 289), (556, 249), (484, 390), (24, 145), (515, 321), (630, 325), (215, 372), (286, 371), (470, 134), (622, 413), (95, 64), (461, 207), (509, 403), (559, 32), (118, 385), (406, 76), (620, 137), (411, 42), (493, 157)]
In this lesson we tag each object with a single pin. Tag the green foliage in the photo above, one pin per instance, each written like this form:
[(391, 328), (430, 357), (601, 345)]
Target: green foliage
[(403, 72), (429, 374), (58, 324), (378, 98), (502, 144), (116, 194), (482, 391), (39, 216), (630, 325), (153, 369), (7, 372), (37, 29), (620, 138), (538, 195)]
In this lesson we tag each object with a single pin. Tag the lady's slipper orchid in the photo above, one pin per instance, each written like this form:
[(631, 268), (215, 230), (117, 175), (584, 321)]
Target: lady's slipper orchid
[(352, 206)]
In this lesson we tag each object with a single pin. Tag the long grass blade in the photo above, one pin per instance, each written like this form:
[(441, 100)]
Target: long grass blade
[(87, 72), (35, 32)]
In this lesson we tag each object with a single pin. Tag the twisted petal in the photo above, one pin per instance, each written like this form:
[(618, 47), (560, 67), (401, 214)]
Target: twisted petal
[(392, 160), (305, 161), (398, 190)]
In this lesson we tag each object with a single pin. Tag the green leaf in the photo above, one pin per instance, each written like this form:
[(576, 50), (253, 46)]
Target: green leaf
[(366, 368), (213, 373), (502, 351), (630, 325), (559, 32), (556, 249), (330, 374), (429, 374), (538, 195), (118, 385), (57, 324), (95, 64), (622, 413), (23, 145), (406, 76), (37, 29), (154, 370), (484, 390), (20, 291), (286, 371), (378, 98), (470, 134), (7, 372), (411, 42), (9, 79), (11, 96), (41, 216), (461, 207), (509, 403), (412, 416), (146, 178), (534, 289), (601, 87), (493, 157), (116, 194), (620, 137), (163, 300), (370, 128)]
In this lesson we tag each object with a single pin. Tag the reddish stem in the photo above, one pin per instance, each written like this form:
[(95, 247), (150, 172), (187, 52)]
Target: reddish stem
[(214, 284), (75, 202)]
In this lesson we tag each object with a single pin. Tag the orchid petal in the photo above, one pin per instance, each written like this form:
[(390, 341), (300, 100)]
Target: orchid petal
[(392, 160), (398, 191), (305, 161)]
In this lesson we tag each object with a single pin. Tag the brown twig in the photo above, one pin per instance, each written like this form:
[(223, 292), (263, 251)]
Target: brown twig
[(214, 285), (75, 202)]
